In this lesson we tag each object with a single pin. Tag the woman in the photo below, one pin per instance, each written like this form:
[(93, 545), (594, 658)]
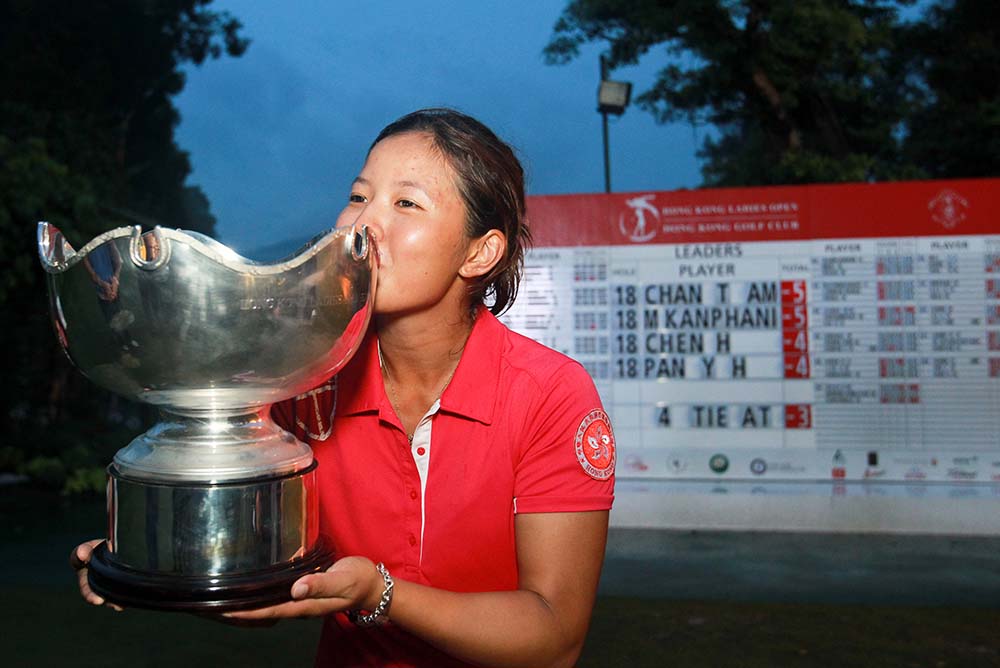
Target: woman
[(492, 545)]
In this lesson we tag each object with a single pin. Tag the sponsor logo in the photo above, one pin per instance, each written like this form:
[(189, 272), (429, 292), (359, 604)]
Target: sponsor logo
[(719, 463), (839, 469), (786, 467), (915, 473), (642, 220), (873, 472), (758, 466), (962, 474), (905, 460), (633, 463), (676, 464), (948, 208), (595, 445)]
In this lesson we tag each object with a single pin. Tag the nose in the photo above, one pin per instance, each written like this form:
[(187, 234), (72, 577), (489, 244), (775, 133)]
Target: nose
[(368, 216), (359, 218)]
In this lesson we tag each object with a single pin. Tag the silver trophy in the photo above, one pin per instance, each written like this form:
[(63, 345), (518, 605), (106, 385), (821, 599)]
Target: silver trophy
[(214, 507)]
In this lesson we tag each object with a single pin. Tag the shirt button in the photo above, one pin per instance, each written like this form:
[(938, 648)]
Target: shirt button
[(413, 539), (421, 451), (413, 494)]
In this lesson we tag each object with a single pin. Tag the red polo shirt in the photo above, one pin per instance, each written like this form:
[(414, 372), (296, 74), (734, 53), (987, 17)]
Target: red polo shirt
[(519, 429)]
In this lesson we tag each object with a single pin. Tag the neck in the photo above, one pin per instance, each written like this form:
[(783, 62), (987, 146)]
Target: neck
[(418, 351), (419, 357)]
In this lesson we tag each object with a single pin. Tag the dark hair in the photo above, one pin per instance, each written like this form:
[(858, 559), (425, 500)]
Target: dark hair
[(490, 181)]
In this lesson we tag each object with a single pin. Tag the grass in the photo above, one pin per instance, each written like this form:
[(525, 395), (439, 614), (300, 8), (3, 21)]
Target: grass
[(46, 624)]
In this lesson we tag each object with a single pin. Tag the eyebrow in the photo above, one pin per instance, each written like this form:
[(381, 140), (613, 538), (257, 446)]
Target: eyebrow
[(412, 184)]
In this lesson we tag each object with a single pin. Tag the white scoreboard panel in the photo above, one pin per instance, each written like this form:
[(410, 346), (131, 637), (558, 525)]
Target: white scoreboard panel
[(736, 335)]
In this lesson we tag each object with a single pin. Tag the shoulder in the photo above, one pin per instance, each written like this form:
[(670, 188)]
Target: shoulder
[(542, 366), (545, 387)]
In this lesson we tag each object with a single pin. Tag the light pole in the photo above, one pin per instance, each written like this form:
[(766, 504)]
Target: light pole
[(612, 98)]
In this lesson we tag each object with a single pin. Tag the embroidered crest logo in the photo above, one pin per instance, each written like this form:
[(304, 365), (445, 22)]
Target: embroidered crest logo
[(595, 445)]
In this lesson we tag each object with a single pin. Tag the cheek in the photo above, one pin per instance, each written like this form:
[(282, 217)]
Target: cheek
[(413, 244)]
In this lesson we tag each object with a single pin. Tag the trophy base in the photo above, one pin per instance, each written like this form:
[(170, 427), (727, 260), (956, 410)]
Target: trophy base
[(132, 588), (189, 545)]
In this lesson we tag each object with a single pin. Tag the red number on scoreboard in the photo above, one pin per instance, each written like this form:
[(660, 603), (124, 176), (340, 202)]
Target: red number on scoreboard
[(796, 366), (794, 341), (798, 416), (793, 292), (794, 316)]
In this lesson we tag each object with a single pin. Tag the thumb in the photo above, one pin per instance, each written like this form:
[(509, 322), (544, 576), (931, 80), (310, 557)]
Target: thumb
[(341, 581), (80, 556)]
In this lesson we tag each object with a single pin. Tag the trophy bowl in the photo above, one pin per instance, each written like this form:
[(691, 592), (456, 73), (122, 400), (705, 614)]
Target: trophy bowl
[(215, 507)]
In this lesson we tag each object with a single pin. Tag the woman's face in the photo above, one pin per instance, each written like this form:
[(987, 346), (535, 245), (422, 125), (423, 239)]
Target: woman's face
[(406, 195)]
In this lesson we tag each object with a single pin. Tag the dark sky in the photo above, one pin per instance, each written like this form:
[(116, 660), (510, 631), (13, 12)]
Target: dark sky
[(277, 135)]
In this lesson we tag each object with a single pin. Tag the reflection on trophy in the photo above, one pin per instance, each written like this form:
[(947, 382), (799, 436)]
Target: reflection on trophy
[(215, 507)]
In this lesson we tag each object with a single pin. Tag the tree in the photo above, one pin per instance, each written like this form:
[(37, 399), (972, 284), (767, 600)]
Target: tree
[(86, 142), (798, 90), (953, 64)]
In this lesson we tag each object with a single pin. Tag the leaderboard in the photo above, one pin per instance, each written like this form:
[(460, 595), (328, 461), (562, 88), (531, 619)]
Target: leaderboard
[(742, 335)]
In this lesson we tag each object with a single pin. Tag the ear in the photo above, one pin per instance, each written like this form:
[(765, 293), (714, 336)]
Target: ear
[(484, 254)]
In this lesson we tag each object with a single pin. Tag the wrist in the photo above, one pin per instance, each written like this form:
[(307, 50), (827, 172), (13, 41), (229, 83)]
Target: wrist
[(378, 600), (376, 585)]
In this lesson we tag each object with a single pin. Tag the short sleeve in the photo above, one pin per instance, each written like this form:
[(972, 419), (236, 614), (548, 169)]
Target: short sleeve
[(283, 414), (309, 416), (566, 462)]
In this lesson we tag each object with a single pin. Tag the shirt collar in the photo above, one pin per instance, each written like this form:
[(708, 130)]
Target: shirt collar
[(471, 392), (359, 384)]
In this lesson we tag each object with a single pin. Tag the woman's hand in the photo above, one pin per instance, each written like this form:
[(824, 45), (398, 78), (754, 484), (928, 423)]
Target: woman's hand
[(350, 584), (78, 559)]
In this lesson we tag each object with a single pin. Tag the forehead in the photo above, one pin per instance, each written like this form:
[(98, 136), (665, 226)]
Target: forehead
[(409, 153)]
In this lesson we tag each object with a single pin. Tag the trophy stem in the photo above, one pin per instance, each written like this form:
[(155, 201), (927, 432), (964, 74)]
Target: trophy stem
[(213, 445)]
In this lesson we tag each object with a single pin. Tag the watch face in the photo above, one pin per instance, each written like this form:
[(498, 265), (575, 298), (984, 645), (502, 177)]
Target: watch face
[(719, 463)]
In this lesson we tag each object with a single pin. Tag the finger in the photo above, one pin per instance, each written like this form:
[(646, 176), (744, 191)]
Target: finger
[(80, 556), (291, 609), (88, 594)]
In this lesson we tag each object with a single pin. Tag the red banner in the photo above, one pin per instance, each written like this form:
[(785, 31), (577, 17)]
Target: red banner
[(781, 213)]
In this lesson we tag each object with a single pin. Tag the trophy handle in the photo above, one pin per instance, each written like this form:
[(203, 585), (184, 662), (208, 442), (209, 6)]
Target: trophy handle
[(359, 249), (53, 249), (148, 251)]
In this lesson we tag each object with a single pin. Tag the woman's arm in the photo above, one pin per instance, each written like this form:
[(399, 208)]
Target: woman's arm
[(542, 623)]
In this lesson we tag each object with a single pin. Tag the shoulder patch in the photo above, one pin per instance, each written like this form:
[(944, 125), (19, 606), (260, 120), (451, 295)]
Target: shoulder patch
[(595, 445)]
